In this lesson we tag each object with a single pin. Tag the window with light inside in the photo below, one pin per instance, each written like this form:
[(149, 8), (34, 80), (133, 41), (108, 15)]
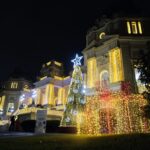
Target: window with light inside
[(10, 108), (14, 85), (134, 27)]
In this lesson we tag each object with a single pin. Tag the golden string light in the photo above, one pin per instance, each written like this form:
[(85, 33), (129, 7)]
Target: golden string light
[(119, 113)]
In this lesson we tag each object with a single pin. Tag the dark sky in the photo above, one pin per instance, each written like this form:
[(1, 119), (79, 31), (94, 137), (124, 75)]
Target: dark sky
[(34, 32)]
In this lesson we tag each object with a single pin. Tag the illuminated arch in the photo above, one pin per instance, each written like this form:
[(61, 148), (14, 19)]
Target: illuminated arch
[(104, 79)]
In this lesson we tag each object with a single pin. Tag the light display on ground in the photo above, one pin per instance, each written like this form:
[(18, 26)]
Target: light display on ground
[(114, 113)]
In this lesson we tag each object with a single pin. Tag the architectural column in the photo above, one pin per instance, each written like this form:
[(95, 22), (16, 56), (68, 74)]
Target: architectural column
[(51, 95), (2, 100), (61, 96)]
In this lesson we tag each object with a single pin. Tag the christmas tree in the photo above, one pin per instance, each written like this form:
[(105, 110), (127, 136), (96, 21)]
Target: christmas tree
[(75, 102)]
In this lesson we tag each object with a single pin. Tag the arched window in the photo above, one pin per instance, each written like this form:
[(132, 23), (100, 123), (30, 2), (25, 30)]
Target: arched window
[(104, 79)]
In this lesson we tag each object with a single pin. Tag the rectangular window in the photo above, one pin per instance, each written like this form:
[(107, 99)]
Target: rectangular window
[(139, 27), (10, 108), (128, 27), (134, 27), (14, 85)]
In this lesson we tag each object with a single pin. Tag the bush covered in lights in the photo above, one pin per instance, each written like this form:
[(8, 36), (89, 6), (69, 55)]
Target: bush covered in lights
[(114, 113)]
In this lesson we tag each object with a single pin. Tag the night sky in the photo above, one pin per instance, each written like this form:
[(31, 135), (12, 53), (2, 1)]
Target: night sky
[(35, 32)]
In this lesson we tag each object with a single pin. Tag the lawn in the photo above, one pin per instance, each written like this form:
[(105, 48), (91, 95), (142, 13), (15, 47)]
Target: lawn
[(75, 142)]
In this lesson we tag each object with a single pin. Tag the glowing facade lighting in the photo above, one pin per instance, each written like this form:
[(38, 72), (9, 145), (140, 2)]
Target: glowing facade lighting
[(139, 27), (60, 96), (2, 101), (128, 27), (102, 35), (48, 63), (51, 100), (117, 114), (57, 63), (116, 65), (91, 72), (134, 27), (43, 78), (14, 85), (104, 79)]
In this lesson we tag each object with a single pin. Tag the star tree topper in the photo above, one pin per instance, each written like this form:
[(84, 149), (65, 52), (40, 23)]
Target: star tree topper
[(77, 60)]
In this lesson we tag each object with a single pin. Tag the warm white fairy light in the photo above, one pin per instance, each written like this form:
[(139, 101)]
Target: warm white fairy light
[(117, 114)]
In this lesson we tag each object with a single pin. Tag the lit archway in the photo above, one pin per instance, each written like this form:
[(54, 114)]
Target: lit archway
[(104, 79)]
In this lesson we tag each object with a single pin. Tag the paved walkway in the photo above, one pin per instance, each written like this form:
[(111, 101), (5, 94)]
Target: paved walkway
[(15, 134)]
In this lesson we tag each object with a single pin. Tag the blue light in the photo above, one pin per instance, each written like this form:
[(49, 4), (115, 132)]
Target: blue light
[(77, 60)]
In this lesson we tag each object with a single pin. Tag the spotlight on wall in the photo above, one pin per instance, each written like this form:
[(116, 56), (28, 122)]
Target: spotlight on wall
[(34, 93), (22, 97)]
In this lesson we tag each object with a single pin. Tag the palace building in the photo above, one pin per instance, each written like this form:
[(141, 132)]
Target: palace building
[(10, 94), (111, 48), (49, 92), (113, 88)]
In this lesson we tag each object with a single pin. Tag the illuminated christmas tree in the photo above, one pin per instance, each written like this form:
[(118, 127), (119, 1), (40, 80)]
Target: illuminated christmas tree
[(76, 102)]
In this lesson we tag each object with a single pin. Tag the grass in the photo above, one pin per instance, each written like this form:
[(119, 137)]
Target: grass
[(75, 142)]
